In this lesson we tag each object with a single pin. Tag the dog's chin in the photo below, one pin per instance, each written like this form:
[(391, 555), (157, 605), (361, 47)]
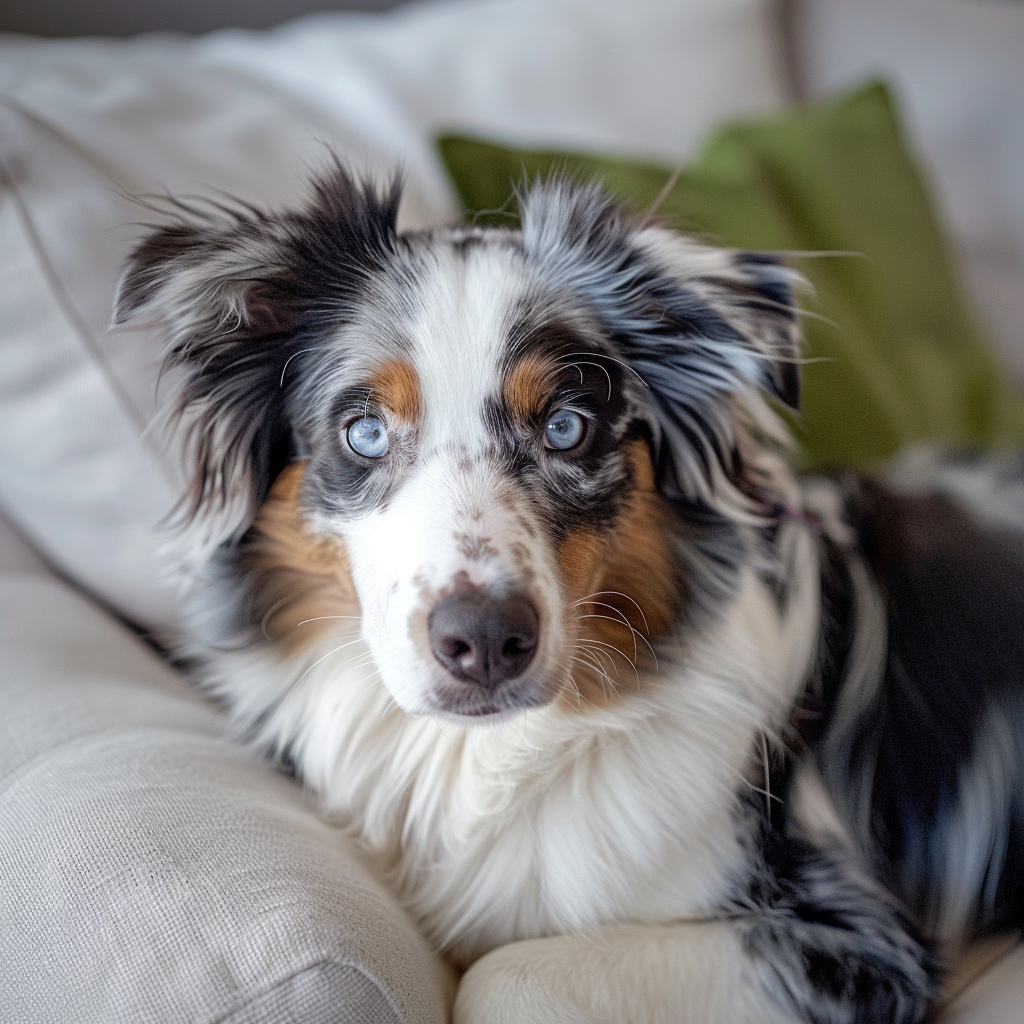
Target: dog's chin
[(468, 704)]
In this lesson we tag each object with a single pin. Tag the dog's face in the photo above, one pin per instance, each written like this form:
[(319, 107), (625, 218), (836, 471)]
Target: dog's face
[(503, 429)]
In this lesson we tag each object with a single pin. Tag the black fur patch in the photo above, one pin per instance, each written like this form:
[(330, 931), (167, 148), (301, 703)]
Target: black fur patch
[(834, 949), (341, 483), (585, 486), (954, 596)]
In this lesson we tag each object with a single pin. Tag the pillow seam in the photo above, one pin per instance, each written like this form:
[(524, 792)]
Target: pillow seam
[(58, 292), (316, 965)]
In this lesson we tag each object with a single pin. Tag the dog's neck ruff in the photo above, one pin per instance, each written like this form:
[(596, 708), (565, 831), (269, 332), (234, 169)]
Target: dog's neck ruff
[(554, 820)]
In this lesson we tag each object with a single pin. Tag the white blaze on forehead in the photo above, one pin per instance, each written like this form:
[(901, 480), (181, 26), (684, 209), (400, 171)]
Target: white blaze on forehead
[(464, 312), (450, 523), (453, 518), (448, 520)]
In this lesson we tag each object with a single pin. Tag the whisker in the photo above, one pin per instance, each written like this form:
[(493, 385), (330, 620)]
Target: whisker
[(666, 190), (579, 696), (614, 359), (592, 665), (769, 797), (767, 778), (625, 656), (617, 593), (628, 625), (601, 655), (601, 674), (363, 659), (603, 369), (439, 729), (387, 707), (586, 658), (374, 680), (284, 369), (742, 778), (612, 647), (290, 688), (266, 618), (813, 254), (618, 622), (317, 618), (610, 607), (324, 658), (579, 693)]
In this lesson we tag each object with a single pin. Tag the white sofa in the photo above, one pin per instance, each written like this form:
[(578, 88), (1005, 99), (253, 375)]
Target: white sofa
[(150, 870)]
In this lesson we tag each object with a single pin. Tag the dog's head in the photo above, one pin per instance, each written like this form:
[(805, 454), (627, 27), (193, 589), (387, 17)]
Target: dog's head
[(514, 434)]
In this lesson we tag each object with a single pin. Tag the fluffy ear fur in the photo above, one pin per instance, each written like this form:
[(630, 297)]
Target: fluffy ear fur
[(707, 329), (241, 292)]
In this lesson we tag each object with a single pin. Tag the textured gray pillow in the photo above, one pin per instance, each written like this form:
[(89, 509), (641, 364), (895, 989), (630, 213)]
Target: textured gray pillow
[(150, 871)]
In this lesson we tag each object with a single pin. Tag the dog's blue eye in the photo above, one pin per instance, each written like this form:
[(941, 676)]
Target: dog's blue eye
[(564, 430), (367, 437)]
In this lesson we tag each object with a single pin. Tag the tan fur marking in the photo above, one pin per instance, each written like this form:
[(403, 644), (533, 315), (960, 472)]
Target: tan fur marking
[(528, 386), (396, 387), (607, 572), (302, 576)]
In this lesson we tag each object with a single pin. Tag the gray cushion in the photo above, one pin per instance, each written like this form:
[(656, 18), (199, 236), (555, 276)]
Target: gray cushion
[(151, 871)]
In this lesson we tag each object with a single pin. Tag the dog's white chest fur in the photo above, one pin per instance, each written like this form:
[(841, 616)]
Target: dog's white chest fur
[(554, 820)]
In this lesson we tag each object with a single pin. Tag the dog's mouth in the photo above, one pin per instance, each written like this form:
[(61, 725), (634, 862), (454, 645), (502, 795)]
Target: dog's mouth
[(458, 700)]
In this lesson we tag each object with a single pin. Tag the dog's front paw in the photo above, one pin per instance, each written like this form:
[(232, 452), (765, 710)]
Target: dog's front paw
[(510, 985), (620, 974)]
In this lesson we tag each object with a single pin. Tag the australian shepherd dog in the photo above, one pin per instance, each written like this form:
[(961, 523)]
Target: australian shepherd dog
[(638, 725)]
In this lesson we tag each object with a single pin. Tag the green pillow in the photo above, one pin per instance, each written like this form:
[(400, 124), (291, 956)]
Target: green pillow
[(896, 356)]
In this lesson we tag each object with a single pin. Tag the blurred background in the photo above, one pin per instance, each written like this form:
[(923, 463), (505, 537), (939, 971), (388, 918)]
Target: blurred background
[(128, 17), (957, 67)]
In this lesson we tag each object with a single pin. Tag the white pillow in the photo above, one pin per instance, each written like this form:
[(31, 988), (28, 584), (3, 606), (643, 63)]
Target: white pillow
[(16, 556), (958, 69), (84, 122)]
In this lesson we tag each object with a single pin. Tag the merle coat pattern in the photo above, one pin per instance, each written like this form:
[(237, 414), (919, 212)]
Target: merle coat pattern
[(705, 741)]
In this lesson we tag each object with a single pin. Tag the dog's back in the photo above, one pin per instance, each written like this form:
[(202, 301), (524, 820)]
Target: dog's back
[(928, 763)]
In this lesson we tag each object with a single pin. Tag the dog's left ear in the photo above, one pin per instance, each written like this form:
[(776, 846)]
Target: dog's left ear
[(752, 293), (709, 330)]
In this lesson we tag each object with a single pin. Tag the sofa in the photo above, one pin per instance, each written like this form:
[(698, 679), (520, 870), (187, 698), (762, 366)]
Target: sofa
[(152, 869)]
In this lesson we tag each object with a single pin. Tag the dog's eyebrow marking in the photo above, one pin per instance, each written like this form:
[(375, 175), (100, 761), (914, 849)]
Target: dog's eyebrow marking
[(529, 385), (396, 386)]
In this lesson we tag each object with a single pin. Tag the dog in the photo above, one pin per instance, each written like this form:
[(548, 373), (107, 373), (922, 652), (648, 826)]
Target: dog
[(635, 722)]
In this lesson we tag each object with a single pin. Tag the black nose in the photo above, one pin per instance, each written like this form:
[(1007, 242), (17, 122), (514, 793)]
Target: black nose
[(482, 639)]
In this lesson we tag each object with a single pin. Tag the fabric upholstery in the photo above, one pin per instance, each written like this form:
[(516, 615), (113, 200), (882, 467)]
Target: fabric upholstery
[(16, 555), (995, 996), (152, 871)]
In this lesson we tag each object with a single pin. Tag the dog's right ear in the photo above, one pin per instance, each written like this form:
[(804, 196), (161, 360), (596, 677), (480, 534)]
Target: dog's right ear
[(240, 293), (214, 291)]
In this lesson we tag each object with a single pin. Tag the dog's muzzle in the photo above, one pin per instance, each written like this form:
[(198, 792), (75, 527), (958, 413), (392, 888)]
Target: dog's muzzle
[(482, 639)]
